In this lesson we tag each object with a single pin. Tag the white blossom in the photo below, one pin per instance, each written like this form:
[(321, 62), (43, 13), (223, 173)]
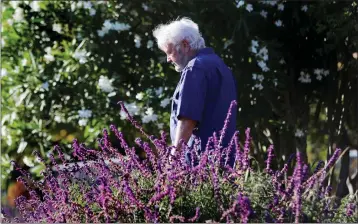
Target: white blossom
[(260, 77), (139, 96), (84, 113), (105, 84), (263, 66), (28, 161), (149, 116), (249, 7), (107, 25), (278, 23), (18, 15), (239, 4), (253, 49), (304, 78), (149, 44), (145, 7), (3, 72), (254, 76), (49, 58), (159, 91), (318, 71), (15, 4), (10, 22), (263, 13), (21, 146), (160, 125), (319, 77), (282, 61), (304, 8), (132, 109), (280, 7), (92, 12), (57, 28), (24, 62), (299, 133), (45, 86), (254, 43), (165, 102), (137, 40), (259, 86), (326, 72), (82, 122), (87, 5), (35, 6), (120, 26), (81, 55)]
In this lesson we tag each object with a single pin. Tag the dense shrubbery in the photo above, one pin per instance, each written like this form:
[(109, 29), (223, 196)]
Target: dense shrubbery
[(95, 187)]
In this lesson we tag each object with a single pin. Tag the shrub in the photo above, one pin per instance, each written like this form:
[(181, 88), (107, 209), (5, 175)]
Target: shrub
[(106, 186)]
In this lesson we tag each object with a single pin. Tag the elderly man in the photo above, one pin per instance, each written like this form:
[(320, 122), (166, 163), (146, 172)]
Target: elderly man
[(206, 88)]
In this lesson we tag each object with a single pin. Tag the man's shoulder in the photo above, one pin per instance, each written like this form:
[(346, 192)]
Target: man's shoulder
[(203, 62)]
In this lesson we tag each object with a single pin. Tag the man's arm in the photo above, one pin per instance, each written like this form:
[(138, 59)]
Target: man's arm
[(184, 130)]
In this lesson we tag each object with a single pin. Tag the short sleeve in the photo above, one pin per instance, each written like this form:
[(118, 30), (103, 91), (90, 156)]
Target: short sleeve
[(192, 94)]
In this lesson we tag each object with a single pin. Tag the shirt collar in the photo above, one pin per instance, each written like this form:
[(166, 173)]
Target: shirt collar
[(206, 50)]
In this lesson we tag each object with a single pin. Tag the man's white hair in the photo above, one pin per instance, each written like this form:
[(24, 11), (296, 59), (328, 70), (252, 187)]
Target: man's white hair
[(177, 31)]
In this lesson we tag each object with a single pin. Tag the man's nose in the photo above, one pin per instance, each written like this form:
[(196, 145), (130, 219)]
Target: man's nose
[(169, 59)]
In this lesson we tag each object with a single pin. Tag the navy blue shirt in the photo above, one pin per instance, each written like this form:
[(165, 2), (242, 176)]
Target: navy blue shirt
[(204, 94)]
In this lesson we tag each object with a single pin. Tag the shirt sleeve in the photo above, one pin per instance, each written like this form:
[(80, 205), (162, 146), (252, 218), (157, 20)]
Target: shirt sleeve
[(192, 94)]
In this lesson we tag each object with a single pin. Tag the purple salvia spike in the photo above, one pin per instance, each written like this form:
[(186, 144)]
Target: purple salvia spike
[(196, 216), (176, 217), (270, 155), (229, 148), (245, 157), (333, 159), (297, 190), (226, 122)]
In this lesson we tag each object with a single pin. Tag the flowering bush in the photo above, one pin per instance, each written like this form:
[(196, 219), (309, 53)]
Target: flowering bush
[(95, 187)]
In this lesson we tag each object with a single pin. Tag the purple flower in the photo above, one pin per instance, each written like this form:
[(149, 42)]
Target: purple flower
[(269, 158), (245, 158), (226, 122), (350, 209)]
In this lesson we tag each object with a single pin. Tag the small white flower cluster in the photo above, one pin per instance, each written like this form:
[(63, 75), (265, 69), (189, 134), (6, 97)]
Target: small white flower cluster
[(149, 116), (269, 2), (18, 15), (81, 56), (107, 26), (299, 133), (319, 72), (84, 115), (137, 40), (150, 44), (57, 28), (280, 7), (304, 8), (132, 109), (248, 7), (45, 85), (139, 96), (263, 13), (105, 84), (258, 78), (48, 56), (85, 4), (278, 23), (165, 102), (304, 77), (261, 55), (3, 72)]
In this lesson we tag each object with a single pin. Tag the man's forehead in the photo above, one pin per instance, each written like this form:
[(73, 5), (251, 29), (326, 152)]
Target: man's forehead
[(167, 47)]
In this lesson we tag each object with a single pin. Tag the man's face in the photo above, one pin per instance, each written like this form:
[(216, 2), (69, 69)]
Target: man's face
[(176, 55)]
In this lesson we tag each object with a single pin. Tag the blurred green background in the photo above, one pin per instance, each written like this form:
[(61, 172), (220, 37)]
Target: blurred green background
[(66, 64)]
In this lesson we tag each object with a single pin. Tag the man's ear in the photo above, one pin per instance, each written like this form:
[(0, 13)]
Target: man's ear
[(186, 45)]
